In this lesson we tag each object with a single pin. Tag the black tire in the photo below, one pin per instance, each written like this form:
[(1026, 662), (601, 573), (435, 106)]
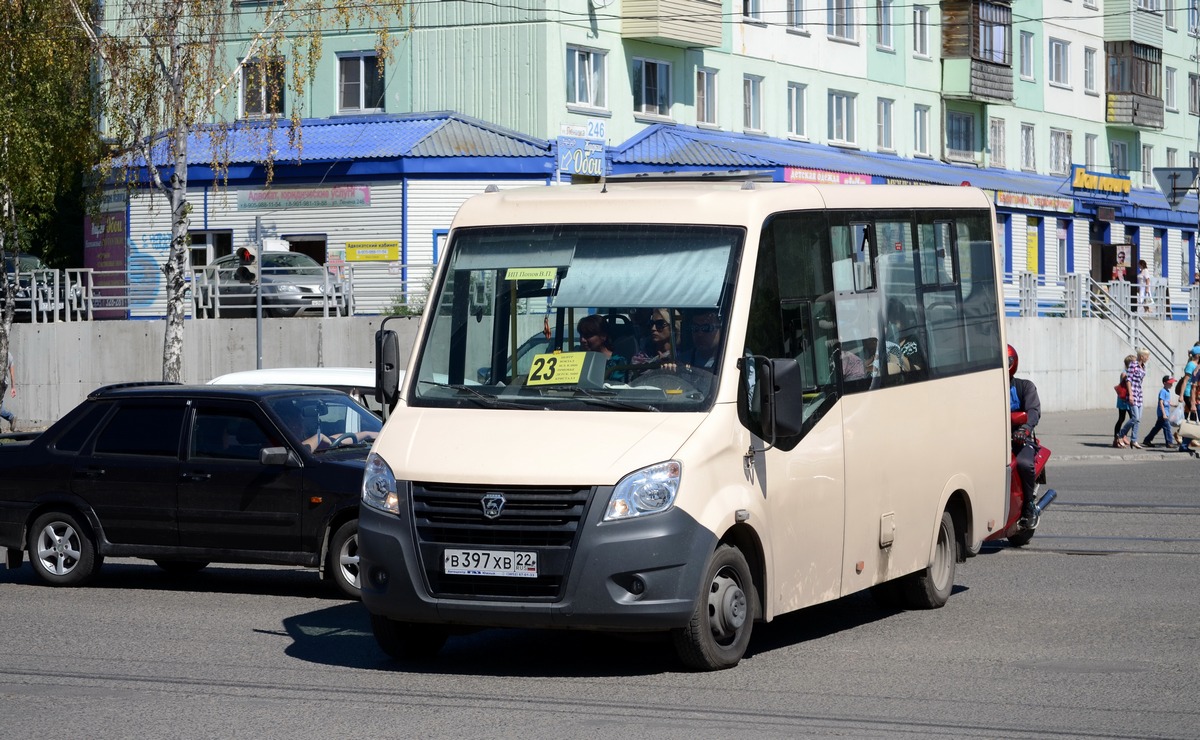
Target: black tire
[(61, 551), (408, 641), (930, 588), (719, 631), (182, 567), (1021, 538), (343, 559)]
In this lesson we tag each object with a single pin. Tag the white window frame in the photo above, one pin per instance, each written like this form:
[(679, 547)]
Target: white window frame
[(661, 106), (1194, 159), (752, 119), (1089, 71), (1028, 148), (1169, 14), (885, 139), (1026, 55), (1058, 62), (752, 11), (1147, 166), (706, 96), (248, 66), (921, 130), (797, 110), (1118, 157), (886, 38), (1194, 17), (1091, 143), (1169, 95), (959, 125), (1172, 156), (795, 16), (593, 63), (1060, 151), (843, 117), (996, 142), (840, 21), (920, 30), (1193, 94), (361, 58)]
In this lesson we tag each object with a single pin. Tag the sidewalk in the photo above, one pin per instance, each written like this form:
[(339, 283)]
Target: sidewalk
[(1084, 435)]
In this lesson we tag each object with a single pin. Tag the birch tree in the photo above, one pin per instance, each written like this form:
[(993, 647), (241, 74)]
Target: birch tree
[(46, 136), (168, 74)]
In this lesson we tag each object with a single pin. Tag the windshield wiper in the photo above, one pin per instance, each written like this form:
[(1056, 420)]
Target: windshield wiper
[(482, 399), (609, 399)]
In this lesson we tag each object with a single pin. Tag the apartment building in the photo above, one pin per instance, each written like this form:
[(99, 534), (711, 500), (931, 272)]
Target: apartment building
[(1060, 108)]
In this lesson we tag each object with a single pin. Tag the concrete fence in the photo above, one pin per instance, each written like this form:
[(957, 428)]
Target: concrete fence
[(1075, 362)]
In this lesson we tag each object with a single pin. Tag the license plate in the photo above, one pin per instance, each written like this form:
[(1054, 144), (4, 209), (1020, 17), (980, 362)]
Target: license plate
[(501, 563)]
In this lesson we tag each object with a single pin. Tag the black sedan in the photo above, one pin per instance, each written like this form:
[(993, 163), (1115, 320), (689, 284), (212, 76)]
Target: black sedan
[(188, 475)]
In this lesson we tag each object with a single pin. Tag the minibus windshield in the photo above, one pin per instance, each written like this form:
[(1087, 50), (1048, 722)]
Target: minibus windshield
[(580, 317)]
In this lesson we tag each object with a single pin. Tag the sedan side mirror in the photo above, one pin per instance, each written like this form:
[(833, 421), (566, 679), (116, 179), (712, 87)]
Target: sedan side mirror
[(278, 456)]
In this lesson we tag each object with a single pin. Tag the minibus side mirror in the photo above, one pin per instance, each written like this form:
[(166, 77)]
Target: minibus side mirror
[(387, 367), (780, 386)]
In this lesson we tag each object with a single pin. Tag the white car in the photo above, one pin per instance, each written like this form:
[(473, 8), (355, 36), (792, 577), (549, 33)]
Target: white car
[(358, 382)]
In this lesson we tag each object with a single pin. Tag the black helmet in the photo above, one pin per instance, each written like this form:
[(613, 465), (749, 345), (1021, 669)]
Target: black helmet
[(1012, 360)]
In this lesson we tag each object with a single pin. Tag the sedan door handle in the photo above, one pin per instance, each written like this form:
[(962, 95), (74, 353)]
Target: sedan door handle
[(89, 473), (195, 476)]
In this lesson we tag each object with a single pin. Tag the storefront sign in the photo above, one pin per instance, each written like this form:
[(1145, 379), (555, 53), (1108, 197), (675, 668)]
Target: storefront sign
[(347, 196), (1034, 202), (823, 177), (1082, 179), (379, 250)]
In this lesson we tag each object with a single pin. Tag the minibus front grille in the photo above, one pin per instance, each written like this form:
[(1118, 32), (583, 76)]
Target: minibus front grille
[(542, 519)]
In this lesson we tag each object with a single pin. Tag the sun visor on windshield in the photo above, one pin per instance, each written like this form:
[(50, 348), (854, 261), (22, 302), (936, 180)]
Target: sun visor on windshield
[(496, 254), (679, 273)]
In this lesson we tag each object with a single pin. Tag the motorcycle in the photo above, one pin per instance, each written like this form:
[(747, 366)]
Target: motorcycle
[(1017, 532)]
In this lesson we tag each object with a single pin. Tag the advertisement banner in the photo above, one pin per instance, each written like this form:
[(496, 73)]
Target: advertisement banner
[(104, 252), (344, 196)]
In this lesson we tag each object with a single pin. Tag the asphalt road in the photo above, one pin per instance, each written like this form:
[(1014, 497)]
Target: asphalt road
[(1089, 632)]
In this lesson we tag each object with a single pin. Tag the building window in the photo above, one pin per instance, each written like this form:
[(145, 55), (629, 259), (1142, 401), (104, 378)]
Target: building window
[(960, 135), (883, 9), (797, 125), (995, 33), (1194, 17), (706, 96), (1169, 14), (795, 15), (1089, 71), (1090, 144), (752, 103), (840, 20), (1028, 156), (921, 30), (1118, 156), (884, 114), (1060, 151), (1060, 70), (1169, 88), (1149, 5), (360, 84), (1147, 166), (651, 87), (1194, 159), (262, 87), (921, 129), (751, 10), (1134, 68), (1026, 55), (841, 117), (1194, 94), (996, 141), (585, 77), (1172, 156)]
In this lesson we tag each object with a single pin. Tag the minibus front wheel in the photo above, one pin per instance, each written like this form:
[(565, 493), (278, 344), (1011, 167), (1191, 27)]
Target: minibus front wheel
[(719, 631)]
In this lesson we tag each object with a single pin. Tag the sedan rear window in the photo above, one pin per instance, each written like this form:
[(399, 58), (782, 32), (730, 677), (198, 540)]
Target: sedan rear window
[(142, 430)]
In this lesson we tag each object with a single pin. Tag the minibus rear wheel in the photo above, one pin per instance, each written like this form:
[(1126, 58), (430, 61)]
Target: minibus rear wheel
[(930, 588), (406, 640), (719, 631)]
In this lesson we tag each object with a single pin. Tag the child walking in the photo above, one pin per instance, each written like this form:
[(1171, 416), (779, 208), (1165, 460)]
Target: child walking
[(1164, 414)]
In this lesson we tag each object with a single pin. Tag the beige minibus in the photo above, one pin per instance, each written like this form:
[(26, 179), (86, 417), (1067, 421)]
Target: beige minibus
[(689, 407)]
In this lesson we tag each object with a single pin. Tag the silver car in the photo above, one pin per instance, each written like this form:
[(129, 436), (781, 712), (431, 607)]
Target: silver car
[(292, 284)]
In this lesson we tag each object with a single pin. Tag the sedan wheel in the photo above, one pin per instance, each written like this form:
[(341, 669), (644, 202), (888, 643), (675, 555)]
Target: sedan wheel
[(61, 551)]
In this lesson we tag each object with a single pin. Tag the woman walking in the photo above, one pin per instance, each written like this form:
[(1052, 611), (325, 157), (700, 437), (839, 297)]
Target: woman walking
[(1122, 389), (1136, 373)]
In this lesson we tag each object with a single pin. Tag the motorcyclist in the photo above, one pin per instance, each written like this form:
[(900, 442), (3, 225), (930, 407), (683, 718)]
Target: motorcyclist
[(1023, 396)]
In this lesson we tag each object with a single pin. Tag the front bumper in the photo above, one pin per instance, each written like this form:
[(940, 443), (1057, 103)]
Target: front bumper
[(637, 575)]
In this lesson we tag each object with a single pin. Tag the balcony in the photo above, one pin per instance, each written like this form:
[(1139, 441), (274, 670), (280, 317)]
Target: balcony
[(684, 23), (974, 79), (1133, 111)]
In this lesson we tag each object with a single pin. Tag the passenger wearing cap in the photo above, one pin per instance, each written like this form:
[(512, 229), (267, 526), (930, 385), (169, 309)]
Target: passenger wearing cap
[(1164, 414)]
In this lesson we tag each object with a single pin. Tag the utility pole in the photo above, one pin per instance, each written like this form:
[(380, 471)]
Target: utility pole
[(258, 247)]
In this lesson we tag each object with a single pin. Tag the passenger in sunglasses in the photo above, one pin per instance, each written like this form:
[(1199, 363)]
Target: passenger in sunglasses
[(659, 345), (701, 354)]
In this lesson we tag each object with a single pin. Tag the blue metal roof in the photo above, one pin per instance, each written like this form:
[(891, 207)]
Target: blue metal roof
[(367, 137)]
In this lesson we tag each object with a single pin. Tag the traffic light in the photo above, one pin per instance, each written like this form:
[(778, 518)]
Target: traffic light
[(247, 271)]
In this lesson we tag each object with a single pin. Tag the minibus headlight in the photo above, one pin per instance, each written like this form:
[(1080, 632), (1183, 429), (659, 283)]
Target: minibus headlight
[(379, 486), (650, 490)]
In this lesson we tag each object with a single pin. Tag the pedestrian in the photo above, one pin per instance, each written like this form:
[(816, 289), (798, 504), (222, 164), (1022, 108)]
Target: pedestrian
[(1143, 277), (1191, 385), (1122, 389), (1163, 411), (1136, 372), (12, 389)]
